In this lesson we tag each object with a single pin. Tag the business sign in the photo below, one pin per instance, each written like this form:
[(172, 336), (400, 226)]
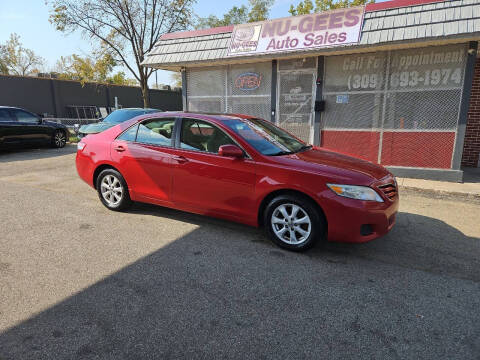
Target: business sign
[(248, 81), (331, 28)]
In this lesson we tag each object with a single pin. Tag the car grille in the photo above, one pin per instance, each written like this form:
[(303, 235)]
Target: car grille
[(390, 190)]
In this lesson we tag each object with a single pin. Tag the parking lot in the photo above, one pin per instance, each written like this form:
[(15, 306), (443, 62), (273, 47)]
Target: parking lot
[(80, 282)]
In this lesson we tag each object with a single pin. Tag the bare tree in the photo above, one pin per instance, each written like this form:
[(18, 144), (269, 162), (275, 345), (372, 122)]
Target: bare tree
[(128, 28)]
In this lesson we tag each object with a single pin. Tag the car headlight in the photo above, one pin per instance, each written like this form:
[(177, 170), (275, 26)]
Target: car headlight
[(355, 192)]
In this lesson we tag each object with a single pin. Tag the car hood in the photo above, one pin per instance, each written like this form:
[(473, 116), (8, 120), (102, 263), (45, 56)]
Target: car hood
[(95, 128), (336, 165)]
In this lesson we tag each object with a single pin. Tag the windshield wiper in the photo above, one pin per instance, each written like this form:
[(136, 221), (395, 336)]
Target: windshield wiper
[(303, 148), (281, 153)]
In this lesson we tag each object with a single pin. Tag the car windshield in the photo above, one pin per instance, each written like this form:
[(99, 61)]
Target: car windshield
[(120, 116), (265, 137)]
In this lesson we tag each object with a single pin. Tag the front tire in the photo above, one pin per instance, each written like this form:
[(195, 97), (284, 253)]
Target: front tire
[(59, 139), (294, 222), (113, 190)]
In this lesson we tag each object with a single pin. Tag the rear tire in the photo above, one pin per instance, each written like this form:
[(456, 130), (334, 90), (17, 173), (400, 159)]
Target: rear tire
[(294, 222), (59, 139), (113, 190)]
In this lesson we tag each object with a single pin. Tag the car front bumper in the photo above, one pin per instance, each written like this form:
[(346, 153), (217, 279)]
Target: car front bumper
[(357, 221)]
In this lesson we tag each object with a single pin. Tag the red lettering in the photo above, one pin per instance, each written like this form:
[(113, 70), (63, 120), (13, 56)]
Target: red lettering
[(332, 38), (305, 25), (353, 17), (320, 22), (318, 40), (271, 44), (342, 37), (294, 43), (336, 20), (309, 38), (269, 29), (286, 28)]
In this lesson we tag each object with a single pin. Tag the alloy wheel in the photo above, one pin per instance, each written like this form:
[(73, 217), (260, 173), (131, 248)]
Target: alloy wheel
[(291, 224), (60, 139), (112, 190)]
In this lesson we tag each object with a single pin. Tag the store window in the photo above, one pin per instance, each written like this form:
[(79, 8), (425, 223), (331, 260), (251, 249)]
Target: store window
[(244, 89), (397, 108)]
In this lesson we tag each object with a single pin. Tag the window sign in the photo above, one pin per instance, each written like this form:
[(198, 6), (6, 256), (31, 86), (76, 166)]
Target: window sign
[(248, 81), (342, 99)]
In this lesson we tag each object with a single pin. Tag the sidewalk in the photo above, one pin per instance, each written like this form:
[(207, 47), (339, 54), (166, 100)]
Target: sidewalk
[(469, 189)]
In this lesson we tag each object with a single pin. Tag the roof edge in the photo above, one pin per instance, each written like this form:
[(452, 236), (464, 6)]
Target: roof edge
[(194, 33), (393, 4)]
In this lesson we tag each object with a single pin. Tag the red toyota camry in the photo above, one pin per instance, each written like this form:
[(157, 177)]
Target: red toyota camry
[(243, 169)]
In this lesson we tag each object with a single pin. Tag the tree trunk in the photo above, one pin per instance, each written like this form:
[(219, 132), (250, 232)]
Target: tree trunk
[(145, 93)]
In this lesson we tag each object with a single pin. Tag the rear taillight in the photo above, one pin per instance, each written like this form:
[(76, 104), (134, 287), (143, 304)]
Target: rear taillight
[(81, 146)]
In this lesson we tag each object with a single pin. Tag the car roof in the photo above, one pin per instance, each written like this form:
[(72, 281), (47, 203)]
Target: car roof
[(11, 107), (209, 115), (139, 109)]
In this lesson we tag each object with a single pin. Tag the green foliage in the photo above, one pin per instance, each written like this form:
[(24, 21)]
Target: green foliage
[(306, 6), (236, 15), (91, 69), (257, 10), (17, 60), (177, 79)]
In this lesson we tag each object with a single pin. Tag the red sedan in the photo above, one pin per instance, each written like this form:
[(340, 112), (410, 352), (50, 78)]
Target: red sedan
[(243, 169)]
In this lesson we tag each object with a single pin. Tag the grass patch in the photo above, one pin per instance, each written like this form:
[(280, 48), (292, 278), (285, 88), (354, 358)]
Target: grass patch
[(73, 139)]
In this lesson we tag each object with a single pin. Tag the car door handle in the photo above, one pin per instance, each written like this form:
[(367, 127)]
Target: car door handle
[(119, 148), (180, 159)]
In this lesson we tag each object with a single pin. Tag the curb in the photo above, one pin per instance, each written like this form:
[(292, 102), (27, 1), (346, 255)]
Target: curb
[(441, 194)]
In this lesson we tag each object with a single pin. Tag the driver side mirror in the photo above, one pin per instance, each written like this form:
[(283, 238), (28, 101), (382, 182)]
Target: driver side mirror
[(230, 151)]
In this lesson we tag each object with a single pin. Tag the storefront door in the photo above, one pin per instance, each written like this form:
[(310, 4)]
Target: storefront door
[(296, 94)]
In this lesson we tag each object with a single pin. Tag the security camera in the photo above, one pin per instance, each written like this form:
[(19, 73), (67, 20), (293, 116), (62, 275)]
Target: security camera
[(472, 51)]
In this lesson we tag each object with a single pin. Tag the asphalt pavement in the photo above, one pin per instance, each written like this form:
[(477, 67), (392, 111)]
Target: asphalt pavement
[(80, 282)]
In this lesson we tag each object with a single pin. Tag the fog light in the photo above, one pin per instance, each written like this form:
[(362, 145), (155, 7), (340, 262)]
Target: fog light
[(366, 229)]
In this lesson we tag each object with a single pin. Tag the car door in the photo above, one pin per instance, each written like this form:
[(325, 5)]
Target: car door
[(143, 154), (30, 128), (206, 181)]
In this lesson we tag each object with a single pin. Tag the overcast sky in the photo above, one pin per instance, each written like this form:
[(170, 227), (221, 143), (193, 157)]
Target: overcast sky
[(29, 19)]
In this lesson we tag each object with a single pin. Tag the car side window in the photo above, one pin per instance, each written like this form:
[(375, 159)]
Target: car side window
[(156, 131), (202, 136), (5, 116), (130, 134), (25, 117)]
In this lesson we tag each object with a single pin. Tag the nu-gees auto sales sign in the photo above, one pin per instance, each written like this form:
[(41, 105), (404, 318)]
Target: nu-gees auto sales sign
[(331, 28)]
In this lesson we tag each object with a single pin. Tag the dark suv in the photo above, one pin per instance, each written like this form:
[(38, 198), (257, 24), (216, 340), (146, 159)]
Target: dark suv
[(21, 127)]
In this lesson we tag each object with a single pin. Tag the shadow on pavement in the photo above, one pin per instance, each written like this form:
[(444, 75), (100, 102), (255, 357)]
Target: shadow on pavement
[(33, 153), (223, 291)]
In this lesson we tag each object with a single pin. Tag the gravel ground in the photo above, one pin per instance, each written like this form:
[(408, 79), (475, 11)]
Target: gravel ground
[(80, 282)]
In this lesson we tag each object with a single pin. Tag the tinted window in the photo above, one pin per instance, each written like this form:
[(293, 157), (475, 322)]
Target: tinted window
[(5, 115), (156, 131), (200, 135), (265, 137), (130, 134), (25, 117), (120, 116)]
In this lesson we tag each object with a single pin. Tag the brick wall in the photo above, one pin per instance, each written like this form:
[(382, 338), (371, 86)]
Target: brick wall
[(471, 147)]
